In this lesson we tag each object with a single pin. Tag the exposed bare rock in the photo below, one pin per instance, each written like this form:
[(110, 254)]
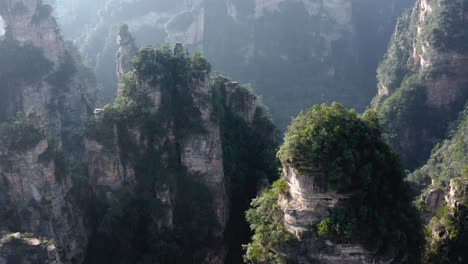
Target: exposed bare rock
[(306, 203), (458, 194), (37, 177), (202, 154), (167, 155), (127, 49), (448, 237), (39, 199), (241, 101), (424, 71), (31, 21), (14, 246), (449, 87), (434, 200), (106, 169)]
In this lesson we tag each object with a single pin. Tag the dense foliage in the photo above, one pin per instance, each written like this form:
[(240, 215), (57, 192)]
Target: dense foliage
[(266, 220), (406, 111), (20, 134), (411, 125), (348, 148), (447, 232), (448, 160), (397, 62), (445, 26), (135, 217), (157, 100), (336, 140)]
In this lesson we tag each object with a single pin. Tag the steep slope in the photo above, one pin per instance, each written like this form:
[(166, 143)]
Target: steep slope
[(156, 175), (423, 79), (448, 159), (442, 182), (341, 198), (172, 161), (295, 52), (45, 97), (447, 232)]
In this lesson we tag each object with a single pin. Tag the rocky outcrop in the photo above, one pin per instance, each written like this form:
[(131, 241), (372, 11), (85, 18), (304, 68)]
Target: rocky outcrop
[(458, 194), (171, 154), (42, 144), (307, 201), (20, 248), (328, 206), (106, 170), (433, 201), (202, 154), (448, 229), (127, 49), (31, 21), (423, 77), (306, 204)]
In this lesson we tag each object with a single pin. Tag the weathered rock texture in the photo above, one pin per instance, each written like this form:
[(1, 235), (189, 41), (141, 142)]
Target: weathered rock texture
[(170, 164), (18, 248), (423, 80), (307, 203), (37, 187), (127, 49), (448, 235), (442, 182)]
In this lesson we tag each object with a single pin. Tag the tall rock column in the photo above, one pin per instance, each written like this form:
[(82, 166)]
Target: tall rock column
[(127, 49), (40, 149)]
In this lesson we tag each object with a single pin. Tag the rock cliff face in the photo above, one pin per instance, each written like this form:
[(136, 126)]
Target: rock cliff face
[(22, 249), (441, 183), (448, 229), (163, 140), (127, 49), (327, 208), (306, 203), (156, 167), (51, 92), (256, 41), (423, 77)]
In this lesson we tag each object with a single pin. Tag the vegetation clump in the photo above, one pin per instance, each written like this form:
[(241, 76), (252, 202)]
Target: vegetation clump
[(445, 26), (349, 150), (19, 135), (446, 236), (448, 159), (161, 100), (266, 220), (397, 62), (138, 215), (338, 141), (411, 124)]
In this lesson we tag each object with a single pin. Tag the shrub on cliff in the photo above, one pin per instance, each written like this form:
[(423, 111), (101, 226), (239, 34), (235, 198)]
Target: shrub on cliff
[(349, 149), (266, 220), (19, 135), (336, 140)]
